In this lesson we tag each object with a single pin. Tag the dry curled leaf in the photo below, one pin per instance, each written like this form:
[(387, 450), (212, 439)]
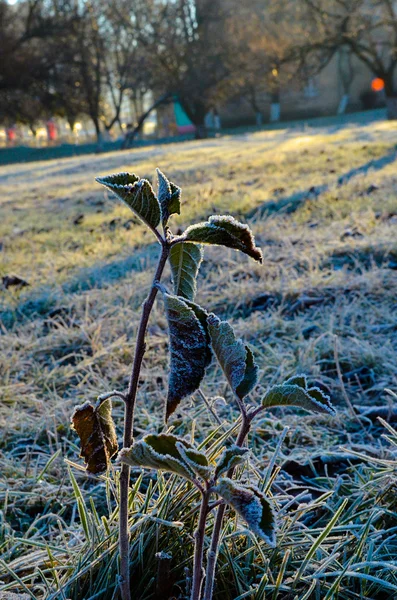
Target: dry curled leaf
[(95, 428)]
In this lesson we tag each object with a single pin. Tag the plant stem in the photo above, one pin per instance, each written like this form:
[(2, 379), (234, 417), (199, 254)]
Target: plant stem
[(212, 555), (199, 537), (128, 426)]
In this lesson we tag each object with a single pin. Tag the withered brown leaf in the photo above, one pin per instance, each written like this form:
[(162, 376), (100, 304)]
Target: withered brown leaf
[(96, 430)]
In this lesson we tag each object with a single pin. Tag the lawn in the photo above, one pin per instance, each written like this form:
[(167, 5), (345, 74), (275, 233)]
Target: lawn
[(322, 202)]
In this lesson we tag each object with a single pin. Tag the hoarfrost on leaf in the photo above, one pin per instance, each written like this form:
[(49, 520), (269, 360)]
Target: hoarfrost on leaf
[(296, 392), (252, 505), (225, 231), (235, 358), (231, 457), (137, 194), (185, 260), (196, 460), (189, 350), (166, 452), (169, 196)]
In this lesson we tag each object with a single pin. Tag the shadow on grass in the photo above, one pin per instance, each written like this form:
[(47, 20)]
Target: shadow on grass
[(291, 203), (38, 303)]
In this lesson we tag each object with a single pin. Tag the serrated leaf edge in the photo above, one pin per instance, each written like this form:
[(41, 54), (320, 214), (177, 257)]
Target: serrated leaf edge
[(213, 320), (214, 222), (161, 457), (258, 509), (129, 189), (204, 471), (237, 459), (325, 407)]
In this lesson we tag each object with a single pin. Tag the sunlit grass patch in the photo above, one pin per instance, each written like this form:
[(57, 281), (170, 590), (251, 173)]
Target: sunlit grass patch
[(324, 302)]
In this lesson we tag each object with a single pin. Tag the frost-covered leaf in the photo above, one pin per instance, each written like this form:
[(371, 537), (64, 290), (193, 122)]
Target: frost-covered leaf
[(296, 392), (95, 428), (185, 260), (252, 505), (230, 458), (118, 179), (250, 375), (235, 358), (137, 194), (169, 196), (299, 380), (189, 349), (166, 452), (225, 231), (196, 460), (202, 316)]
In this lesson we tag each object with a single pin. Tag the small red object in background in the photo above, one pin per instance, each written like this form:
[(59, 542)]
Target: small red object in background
[(51, 131), (377, 84), (11, 133)]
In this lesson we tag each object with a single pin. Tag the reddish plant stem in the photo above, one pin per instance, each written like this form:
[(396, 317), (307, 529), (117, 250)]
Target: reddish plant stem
[(130, 398), (199, 537), (212, 555)]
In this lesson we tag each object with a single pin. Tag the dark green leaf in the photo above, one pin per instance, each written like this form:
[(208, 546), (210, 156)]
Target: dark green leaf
[(234, 357), (295, 392), (185, 260), (299, 380), (168, 453), (230, 458), (252, 505), (95, 428), (202, 316), (174, 206), (196, 460), (169, 197), (225, 231), (250, 376), (137, 194), (189, 351)]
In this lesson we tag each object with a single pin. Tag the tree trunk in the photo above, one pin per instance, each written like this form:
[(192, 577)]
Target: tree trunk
[(391, 107), (72, 122), (275, 110), (390, 93), (99, 137), (201, 132), (256, 108), (344, 101), (196, 111), (130, 136)]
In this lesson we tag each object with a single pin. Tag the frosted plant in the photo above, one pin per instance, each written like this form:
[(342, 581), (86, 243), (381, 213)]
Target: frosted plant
[(196, 337)]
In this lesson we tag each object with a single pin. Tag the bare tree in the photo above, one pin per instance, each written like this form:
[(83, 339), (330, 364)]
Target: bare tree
[(368, 28), (187, 43), (269, 54)]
